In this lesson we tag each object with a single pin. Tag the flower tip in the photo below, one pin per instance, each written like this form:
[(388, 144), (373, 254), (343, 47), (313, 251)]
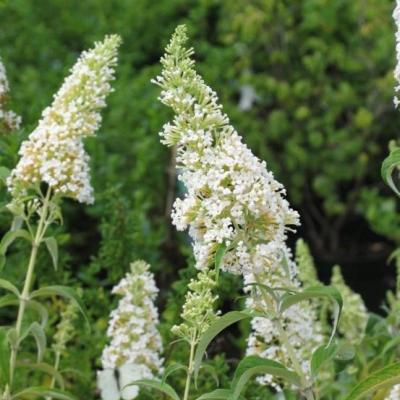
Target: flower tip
[(113, 40)]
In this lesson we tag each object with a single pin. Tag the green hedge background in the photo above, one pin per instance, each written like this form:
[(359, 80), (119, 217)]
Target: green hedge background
[(309, 85)]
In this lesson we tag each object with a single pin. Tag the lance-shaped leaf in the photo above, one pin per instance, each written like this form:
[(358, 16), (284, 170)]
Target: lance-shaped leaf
[(157, 385), (389, 165), (36, 330), (321, 355), (329, 292), (52, 247), (42, 392), (63, 291), (218, 394), (4, 284), (4, 173), (10, 236), (171, 369), (4, 356), (46, 368), (40, 310), (8, 300), (214, 329), (253, 365), (383, 378), (219, 255)]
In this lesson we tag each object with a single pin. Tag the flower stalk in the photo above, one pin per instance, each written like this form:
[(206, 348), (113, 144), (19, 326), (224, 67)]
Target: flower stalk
[(24, 298)]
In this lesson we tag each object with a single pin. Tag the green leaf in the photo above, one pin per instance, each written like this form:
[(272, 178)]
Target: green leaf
[(36, 330), (52, 247), (4, 356), (17, 223), (212, 371), (385, 377), (219, 255), (390, 163), (316, 291), (41, 311), (41, 391), (9, 286), (8, 300), (4, 173), (44, 367), (320, 356), (63, 291), (215, 328), (154, 384), (253, 365), (171, 369), (218, 394), (2, 261), (9, 238)]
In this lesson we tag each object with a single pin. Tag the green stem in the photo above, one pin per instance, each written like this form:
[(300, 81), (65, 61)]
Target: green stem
[(56, 366), (190, 369), (24, 298)]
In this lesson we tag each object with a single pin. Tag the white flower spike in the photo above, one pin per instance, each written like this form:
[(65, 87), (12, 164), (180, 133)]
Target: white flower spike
[(135, 345), (231, 198), (54, 151)]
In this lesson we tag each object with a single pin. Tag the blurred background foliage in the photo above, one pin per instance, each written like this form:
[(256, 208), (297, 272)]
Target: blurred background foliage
[(308, 84)]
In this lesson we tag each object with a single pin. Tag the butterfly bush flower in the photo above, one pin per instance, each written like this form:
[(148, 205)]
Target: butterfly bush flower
[(396, 17), (8, 119), (135, 341), (300, 322), (232, 199), (307, 273), (54, 151), (354, 318)]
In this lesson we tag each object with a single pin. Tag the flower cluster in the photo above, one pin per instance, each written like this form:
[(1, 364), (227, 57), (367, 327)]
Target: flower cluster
[(231, 197), (65, 328), (300, 322), (8, 119), (354, 316), (198, 311), (135, 341), (307, 272), (54, 151), (396, 17)]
